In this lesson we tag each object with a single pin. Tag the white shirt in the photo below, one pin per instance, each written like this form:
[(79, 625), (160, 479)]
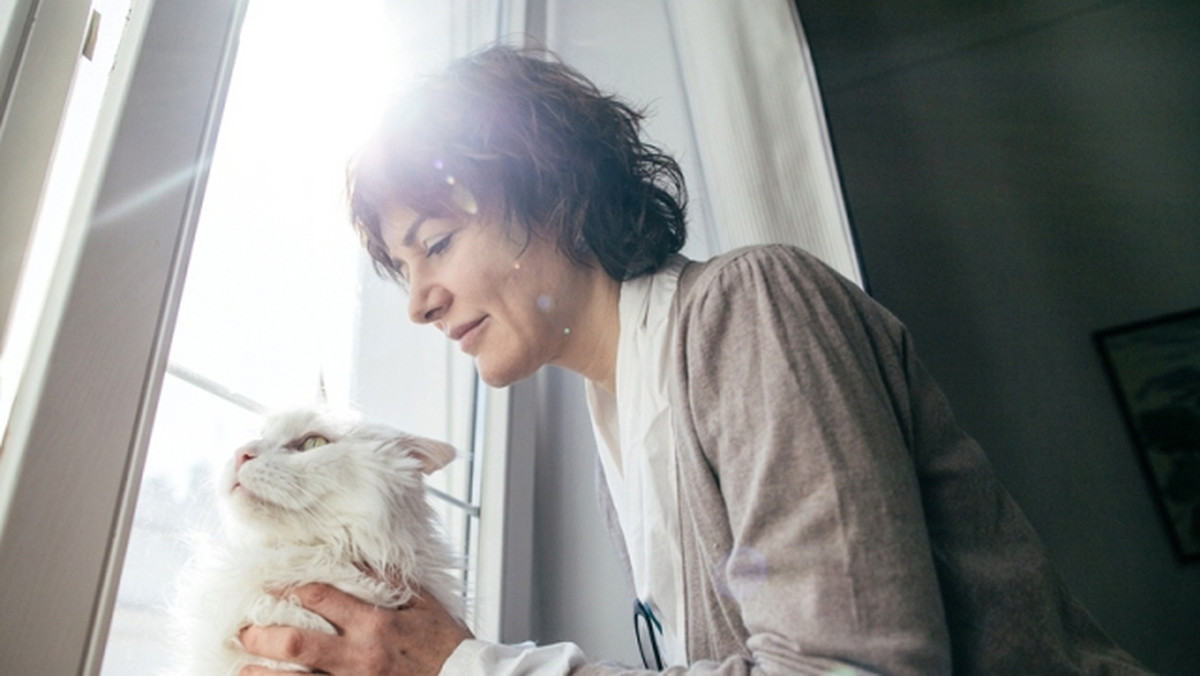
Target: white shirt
[(637, 450), (480, 658)]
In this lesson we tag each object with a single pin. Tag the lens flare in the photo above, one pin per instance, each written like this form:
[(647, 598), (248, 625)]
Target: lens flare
[(462, 197)]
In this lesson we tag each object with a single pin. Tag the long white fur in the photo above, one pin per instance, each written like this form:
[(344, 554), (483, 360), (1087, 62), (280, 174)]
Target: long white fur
[(351, 513)]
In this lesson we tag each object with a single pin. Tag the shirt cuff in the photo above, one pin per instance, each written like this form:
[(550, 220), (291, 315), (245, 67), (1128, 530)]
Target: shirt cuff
[(473, 657), (466, 659)]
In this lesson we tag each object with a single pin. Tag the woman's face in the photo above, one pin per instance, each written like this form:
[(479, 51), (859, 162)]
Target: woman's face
[(513, 306)]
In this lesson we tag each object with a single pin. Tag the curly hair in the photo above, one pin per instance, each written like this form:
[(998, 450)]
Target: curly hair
[(516, 135)]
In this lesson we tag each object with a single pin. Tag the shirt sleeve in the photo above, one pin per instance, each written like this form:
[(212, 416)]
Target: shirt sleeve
[(474, 657), (805, 501)]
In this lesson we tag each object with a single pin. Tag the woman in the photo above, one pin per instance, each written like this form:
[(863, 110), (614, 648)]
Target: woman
[(791, 491)]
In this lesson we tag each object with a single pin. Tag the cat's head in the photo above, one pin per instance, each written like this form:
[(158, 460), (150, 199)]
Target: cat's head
[(316, 475)]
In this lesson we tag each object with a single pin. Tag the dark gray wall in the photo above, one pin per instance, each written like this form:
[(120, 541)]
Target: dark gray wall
[(1019, 177)]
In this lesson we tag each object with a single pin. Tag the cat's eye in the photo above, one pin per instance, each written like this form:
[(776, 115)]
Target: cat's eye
[(310, 442)]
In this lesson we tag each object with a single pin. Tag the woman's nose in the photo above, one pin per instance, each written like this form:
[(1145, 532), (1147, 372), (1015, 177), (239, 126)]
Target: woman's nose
[(427, 302)]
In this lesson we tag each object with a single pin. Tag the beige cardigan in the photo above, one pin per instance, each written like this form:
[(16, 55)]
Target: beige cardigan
[(835, 519)]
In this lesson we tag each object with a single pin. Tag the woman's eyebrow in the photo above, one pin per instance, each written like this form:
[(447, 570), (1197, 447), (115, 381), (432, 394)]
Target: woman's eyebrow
[(410, 235)]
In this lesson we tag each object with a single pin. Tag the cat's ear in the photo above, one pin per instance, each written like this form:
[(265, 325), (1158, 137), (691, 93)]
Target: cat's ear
[(434, 455)]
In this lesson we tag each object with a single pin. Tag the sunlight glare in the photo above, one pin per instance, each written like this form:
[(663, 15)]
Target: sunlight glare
[(268, 308)]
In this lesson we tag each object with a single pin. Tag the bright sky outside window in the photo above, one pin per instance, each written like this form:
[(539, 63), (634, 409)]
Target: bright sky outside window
[(279, 298)]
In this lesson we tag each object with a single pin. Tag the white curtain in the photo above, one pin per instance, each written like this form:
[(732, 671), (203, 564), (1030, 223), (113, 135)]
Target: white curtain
[(760, 129)]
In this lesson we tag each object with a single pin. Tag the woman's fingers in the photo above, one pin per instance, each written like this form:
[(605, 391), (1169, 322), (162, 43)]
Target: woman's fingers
[(287, 644), (335, 605), (413, 640)]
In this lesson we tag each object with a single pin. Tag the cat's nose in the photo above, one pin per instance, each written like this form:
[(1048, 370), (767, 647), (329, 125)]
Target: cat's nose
[(241, 455)]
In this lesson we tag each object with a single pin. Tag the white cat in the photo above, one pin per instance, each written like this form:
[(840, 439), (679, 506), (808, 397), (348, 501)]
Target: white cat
[(320, 497)]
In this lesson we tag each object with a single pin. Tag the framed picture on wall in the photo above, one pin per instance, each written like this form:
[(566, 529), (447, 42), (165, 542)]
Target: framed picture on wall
[(1154, 368)]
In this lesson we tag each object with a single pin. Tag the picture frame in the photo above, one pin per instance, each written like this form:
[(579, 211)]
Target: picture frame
[(1154, 369)]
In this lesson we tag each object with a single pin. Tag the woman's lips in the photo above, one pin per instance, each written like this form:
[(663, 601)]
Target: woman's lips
[(468, 335)]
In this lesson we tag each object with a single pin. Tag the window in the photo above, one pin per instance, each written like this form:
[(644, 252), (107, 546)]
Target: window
[(75, 445), (281, 305), (82, 113)]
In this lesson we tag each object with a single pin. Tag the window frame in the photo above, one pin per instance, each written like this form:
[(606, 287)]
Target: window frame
[(77, 435), (39, 49)]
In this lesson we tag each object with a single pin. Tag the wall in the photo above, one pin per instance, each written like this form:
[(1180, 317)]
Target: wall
[(581, 593), (1018, 178)]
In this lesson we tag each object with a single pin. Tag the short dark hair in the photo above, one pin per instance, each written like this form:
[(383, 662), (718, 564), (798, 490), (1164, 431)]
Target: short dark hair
[(517, 135)]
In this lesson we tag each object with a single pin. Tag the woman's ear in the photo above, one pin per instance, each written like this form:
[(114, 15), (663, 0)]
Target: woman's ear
[(433, 454)]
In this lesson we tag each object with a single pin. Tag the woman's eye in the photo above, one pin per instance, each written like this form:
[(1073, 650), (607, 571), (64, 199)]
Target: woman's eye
[(438, 245), (311, 441), (400, 273)]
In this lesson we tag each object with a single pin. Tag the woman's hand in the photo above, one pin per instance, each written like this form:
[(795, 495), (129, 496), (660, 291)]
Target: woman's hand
[(414, 640)]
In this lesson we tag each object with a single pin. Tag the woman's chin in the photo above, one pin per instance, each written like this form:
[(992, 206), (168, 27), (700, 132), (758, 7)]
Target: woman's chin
[(501, 375), (494, 380)]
